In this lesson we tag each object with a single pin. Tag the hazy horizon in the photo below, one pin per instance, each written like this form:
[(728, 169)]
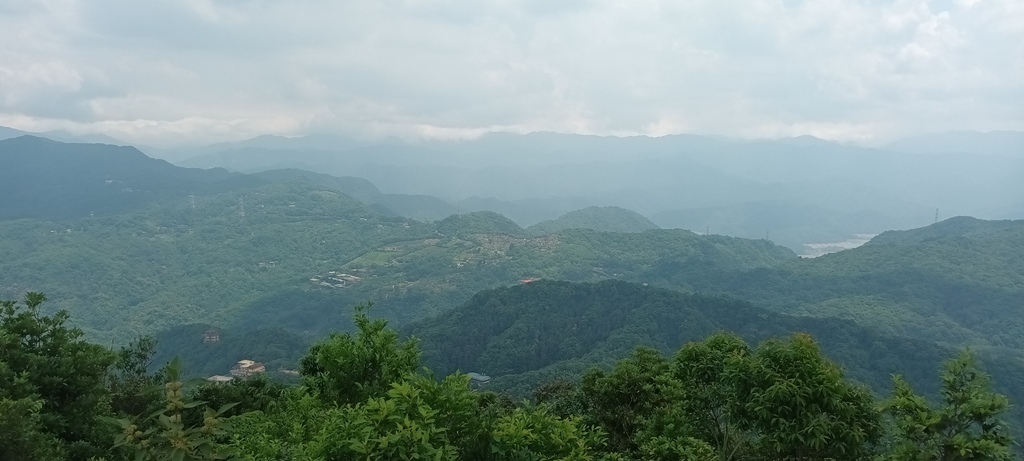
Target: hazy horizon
[(78, 135)]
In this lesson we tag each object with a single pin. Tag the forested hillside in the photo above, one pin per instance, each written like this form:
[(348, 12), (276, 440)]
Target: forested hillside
[(420, 207), (607, 219), (263, 257), (174, 264), (525, 335), (364, 395), (960, 281)]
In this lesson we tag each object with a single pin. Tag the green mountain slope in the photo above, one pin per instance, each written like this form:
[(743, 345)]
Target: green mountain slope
[(478, 222), (259, 257), (524, 335), (357, 188), (607, 219), (960, 281), (420, 207), (412, 279), (175, 264), (957, 227)]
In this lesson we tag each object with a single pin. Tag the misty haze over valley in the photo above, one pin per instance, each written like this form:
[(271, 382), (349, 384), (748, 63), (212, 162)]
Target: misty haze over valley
[(804, 193)]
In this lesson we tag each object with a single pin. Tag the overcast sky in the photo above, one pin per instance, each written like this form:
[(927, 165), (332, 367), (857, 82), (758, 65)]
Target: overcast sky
[(159, 72)]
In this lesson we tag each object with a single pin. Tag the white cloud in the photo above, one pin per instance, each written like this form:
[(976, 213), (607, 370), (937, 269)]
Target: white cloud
[(166, 70)]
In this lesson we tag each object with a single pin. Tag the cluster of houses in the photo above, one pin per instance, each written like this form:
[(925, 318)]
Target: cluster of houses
[(246, 368), (335, 279), (242, 369)]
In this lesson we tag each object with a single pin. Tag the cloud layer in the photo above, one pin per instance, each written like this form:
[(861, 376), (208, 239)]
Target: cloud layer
[(166, 71)]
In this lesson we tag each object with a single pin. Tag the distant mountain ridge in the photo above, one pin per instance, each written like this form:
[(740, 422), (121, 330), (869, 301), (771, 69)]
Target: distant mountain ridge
[(54, 180), (72, 170), (687, 181), (7, 133), (62, 136)]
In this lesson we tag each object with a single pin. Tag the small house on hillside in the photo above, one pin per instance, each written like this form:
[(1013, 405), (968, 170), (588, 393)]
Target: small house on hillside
[(246, 368), (477, 380)]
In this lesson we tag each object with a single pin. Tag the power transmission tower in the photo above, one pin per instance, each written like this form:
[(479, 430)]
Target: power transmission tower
[(936, 215)]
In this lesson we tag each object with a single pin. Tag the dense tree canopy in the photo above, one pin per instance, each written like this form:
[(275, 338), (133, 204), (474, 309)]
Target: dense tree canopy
[(365, 396), (966, 426), (51, 383)]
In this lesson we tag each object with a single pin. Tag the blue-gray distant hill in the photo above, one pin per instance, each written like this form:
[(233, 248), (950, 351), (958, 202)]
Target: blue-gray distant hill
[(601, 218), (823, 191), (8, 133), (54, 180), (62, 136)]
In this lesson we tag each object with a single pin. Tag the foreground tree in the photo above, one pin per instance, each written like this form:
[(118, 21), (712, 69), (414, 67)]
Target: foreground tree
[(623, 400), (51, 381), (531, 433), (363, 400), (720, 399), (165, 435), (22, 437), (709, 396), (800, 406), (129, 377), (966, 427), (350, 368)]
